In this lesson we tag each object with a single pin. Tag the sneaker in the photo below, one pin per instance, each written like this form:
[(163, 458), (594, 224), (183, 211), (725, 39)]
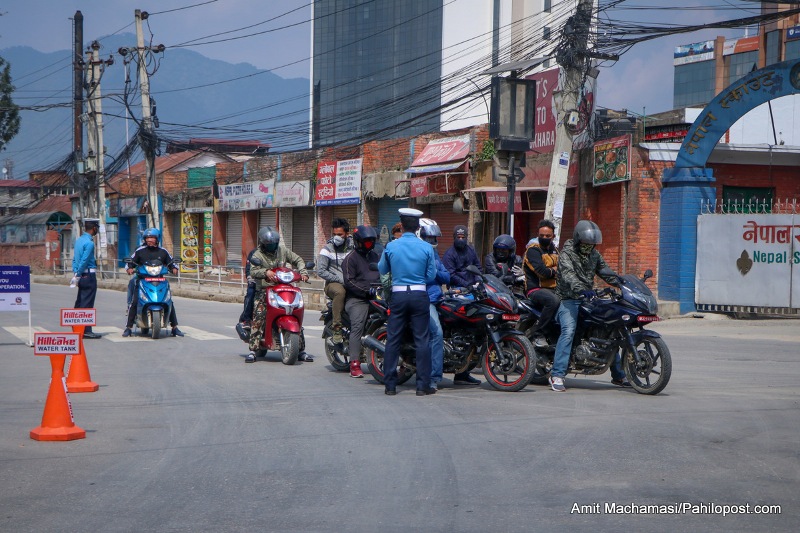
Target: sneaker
[(557, 384), (337, 336), (540, 341), (127, 332), (465, 379), (621, 382), (251, 358), (355, 370), (305, 357), (176, 332)]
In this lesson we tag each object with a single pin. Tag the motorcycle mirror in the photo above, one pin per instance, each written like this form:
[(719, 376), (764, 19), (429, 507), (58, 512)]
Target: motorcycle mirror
[(647, 274), (255, 261), (472, 269)]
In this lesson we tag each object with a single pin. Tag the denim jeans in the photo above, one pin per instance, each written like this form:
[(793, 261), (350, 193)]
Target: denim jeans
[(436, 343), (567, 317)]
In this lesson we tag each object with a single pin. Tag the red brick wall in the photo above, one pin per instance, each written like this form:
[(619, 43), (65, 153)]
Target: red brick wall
[(33, 254), (785, 180)]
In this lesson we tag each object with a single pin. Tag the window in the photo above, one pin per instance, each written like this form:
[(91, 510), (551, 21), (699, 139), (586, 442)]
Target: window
[(773, 47), (792, 50), (546, 33), (548, 6), (739, 65), (693, 84), (747, 199)]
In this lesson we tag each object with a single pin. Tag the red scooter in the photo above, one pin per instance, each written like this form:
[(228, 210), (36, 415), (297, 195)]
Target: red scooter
[(283, 327)]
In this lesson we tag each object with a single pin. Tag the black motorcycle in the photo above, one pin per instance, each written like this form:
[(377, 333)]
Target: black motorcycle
[(478, 326), (612, 322), (339, 354)]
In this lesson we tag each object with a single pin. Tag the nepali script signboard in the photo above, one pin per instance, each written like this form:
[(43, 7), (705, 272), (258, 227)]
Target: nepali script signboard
[(339, 182), (246, 196), (748, 260), (15, 288)]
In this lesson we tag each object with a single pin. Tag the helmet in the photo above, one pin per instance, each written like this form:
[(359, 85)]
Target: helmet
[(152, 232), (429, 231), (364, 238), (587, 232), (268, 239), (504, 247)]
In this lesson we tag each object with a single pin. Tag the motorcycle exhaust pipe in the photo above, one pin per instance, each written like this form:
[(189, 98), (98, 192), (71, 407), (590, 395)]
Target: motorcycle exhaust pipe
[(371, 342)]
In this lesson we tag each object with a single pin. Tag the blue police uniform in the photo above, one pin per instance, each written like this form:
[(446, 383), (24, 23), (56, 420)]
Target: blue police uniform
[(412, 263), (84, 267)]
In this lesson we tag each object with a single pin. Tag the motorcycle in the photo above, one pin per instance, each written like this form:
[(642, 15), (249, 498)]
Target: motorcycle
[(339, 354), (283, 325), (155, 298), (612, 322), (478, 326)]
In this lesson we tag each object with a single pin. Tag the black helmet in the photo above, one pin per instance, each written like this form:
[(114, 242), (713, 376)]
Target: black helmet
[(587, 232), (504, 247), (364, 238), (268, 239)]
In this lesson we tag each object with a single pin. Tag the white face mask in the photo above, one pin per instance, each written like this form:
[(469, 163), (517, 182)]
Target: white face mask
[(338, 240)]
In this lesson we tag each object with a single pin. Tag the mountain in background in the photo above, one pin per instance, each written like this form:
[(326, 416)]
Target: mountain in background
[(192, 96)]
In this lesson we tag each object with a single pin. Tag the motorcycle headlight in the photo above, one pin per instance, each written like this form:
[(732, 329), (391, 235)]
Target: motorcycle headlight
[(276, 300), (286, 277), (153, 270)]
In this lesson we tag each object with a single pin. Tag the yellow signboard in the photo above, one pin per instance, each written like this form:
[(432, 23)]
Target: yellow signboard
[(190, 242)]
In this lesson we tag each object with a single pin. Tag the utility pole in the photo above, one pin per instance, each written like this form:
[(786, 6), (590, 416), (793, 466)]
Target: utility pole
[(95, 163), (77, 111), (573, 58), (147, 137)]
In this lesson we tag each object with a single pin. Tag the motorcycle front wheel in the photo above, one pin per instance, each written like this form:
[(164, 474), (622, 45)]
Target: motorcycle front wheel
[(375, 361), (651, 373), (512, 369), (291, 348), (337, 357), (155, 323)]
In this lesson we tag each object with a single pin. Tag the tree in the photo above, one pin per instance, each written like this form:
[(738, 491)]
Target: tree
[(9, 111)]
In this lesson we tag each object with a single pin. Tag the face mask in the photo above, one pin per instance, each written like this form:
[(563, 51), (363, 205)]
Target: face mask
[(460, 244), (338, 240), (586, 249), (545, 243)]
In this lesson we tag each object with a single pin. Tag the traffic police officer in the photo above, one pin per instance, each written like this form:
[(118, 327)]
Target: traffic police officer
[(84, 268), (412, 264)]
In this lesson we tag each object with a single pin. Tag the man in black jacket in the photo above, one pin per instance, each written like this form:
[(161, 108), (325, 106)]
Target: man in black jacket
[(541, 268), (358, 278)]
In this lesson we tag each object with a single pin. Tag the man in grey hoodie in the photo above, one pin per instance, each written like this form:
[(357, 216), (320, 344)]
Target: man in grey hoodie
[(329, 268)]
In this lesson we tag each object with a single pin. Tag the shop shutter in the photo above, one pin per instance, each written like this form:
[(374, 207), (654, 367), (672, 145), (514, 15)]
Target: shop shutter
[(444, 216), (285, 229), (233, 239), (303, 233), (177, 237), (347, 212), (267, 217), (387, 213)]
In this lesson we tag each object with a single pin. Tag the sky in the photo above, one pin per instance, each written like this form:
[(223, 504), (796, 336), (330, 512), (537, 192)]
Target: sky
[(641, 81)]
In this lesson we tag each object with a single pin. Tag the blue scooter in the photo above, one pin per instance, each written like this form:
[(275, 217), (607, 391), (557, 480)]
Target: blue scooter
[(155, 298)]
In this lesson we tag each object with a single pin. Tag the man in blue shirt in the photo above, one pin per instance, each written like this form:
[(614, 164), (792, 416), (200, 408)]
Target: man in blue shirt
[(84, 268), (412, 263)]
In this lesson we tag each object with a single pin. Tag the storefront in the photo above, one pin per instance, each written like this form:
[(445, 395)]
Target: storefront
[(245, 203), (338, 195), (131, 215), (296, 216)]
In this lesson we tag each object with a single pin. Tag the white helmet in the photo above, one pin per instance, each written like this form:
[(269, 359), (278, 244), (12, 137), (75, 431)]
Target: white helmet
[(429, 231)]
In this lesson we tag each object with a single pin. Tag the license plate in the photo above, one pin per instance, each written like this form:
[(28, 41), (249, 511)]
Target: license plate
[(512, 318)]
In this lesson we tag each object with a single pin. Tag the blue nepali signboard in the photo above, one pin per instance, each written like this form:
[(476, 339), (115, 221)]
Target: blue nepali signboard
[(15, 288)]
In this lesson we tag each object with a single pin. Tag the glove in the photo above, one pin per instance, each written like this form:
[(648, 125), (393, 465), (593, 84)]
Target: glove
[(374, 292), (74, 281), (588, 294), (517, 270)]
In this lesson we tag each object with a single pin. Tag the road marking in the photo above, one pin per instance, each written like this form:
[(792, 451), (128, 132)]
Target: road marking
[(203, 335), (23, 333), (314, 328), (114, 334)]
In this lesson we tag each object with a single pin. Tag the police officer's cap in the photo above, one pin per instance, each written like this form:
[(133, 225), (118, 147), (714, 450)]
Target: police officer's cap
[(91, 223), (408, 212)]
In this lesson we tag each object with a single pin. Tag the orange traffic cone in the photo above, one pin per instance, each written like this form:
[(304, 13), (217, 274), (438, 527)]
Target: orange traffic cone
[(57, 421), (78, 377)]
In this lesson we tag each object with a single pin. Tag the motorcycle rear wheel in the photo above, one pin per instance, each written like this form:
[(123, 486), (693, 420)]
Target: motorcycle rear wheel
[(512, 370), (337, 358), (155, 323), (656, 361), (291, 348), (375, 361)]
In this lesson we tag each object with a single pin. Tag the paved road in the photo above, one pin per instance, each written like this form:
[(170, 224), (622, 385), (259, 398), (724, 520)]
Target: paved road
[(183, 436)]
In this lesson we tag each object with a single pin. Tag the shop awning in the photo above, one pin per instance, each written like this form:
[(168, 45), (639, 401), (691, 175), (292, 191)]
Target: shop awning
[(427, 169), (495, 199)]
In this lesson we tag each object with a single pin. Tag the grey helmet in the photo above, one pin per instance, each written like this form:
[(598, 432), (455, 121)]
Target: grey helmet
[(587, 232), (268, 239)]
